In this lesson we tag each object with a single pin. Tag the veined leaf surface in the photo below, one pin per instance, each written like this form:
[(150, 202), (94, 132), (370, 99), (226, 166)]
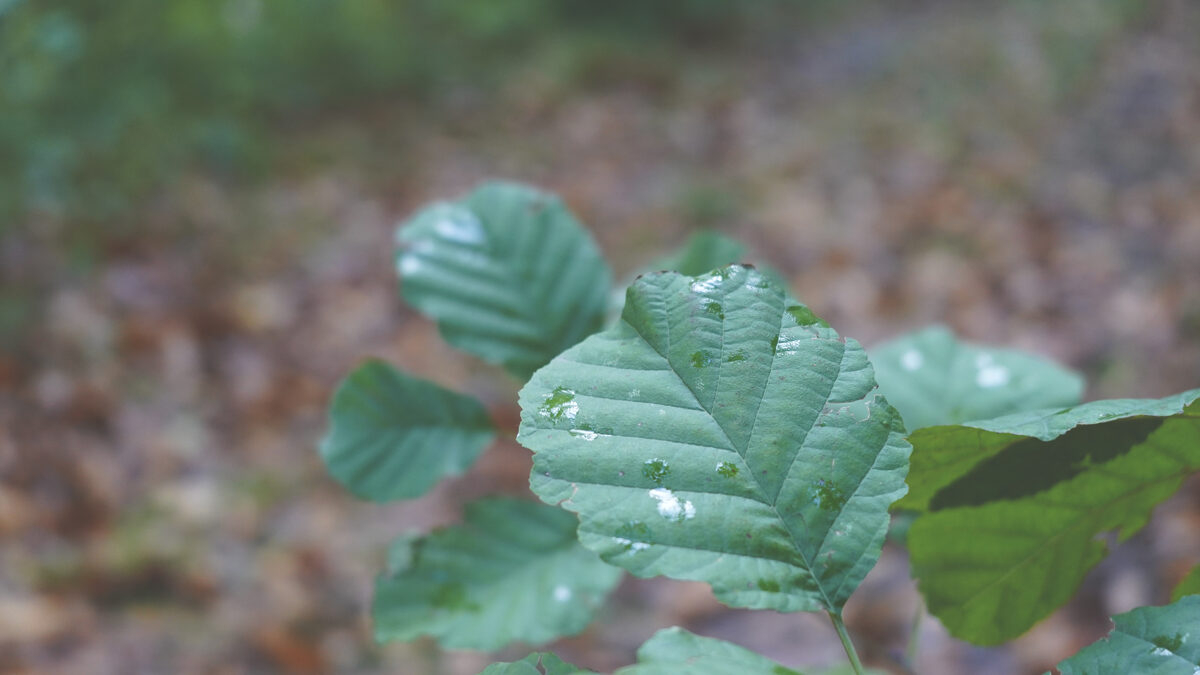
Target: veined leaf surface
[(393, 436), (508, 274), (512, 572), (1014, 504), (1147, 640), (721, 432), (932, 377)]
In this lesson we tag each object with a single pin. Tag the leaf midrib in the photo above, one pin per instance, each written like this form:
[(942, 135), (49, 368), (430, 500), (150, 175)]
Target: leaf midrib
[(829, 607)]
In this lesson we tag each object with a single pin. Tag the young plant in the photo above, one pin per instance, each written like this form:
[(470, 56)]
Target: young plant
[(720, 431)]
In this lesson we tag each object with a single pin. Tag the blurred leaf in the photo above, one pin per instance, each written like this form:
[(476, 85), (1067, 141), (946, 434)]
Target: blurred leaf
[(702, 252), (393, 436), (513, 571), (671, 651), (1189, 586), (674, 651), (1147, 640), (538, 663), (931, 377), (1016, 503), (721, 432), (508, 274)]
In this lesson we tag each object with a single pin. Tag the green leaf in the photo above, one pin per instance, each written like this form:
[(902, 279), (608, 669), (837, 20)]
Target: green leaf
[(702, 252), (721, 432), (934, 378), (508, 273), (1015, 504), (393, 436), (1147, 641), (674, 651), (1189, 586), (1009, 454), (538, 663), (513, 571)]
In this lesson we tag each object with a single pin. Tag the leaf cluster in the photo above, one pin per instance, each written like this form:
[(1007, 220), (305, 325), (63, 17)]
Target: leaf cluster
[(719, 431)]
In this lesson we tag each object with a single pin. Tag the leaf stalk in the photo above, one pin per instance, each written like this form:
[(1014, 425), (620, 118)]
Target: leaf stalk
[(847, 644)]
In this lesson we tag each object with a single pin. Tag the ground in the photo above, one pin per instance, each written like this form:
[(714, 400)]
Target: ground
[(1029, 183)]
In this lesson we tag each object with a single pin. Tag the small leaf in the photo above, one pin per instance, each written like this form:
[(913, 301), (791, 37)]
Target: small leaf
[(934, 378), (1015, 504), (538, 663), (1158, 640), (702, 252), (512, 572), (674, 651), (508, 273), (1189, 586), (393, 436), (710, 435)]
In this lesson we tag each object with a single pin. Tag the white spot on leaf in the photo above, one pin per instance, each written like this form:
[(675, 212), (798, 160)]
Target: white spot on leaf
[(706, 283), (912, 359), (408, 265), (562, 593), (670, 507), (630, 545), (461, 228), (991, 377), (587, 434)]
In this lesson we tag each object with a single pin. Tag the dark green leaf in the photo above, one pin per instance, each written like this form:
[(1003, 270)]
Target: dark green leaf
[(934, 378), (1146, 641), (1015, 504), (393, 436), (946, 454), (720, 432), (512, 572), (508, 274)]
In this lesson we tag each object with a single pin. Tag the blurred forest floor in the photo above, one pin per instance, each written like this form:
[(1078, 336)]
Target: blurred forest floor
[(1028, 174)]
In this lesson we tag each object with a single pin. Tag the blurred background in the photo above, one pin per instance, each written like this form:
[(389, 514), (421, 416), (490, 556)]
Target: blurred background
[(197, 201)]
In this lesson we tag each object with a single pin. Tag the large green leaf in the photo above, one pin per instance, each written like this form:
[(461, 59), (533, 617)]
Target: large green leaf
[(1146, 641), (1189, 586), (1036, 449), (934, 378), (393, 436), (721, 432), (512, 572), (508, 274), (1015, 504)]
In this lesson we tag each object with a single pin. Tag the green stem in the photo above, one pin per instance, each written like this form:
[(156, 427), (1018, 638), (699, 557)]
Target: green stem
[(846, 643)]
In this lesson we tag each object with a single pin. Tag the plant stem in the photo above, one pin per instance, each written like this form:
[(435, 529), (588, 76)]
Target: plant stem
[(846, 643)]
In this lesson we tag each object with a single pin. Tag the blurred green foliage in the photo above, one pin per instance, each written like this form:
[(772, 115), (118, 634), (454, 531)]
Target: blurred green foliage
[(102, 102)]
